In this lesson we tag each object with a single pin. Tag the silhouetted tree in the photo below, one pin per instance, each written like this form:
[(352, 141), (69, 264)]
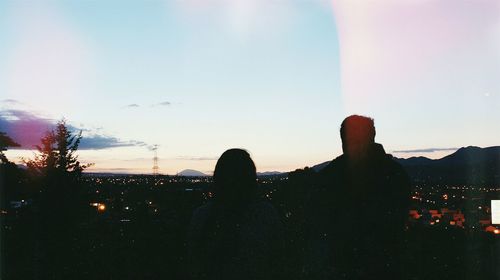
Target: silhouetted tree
[(56, 168), (57, 154), (57, 171), (10, 174), (5, 142)]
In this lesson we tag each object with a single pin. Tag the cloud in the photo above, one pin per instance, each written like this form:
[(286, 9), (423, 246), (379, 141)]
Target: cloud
[(10, 101), (164, 103), (99, 142), (117, 170), (135, 105), (24, 127), (196, 158), (152, 147), (427, 150), (27, 128)]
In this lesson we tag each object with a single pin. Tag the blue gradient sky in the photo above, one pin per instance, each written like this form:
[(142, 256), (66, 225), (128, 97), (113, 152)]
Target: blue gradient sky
[(274, 77)]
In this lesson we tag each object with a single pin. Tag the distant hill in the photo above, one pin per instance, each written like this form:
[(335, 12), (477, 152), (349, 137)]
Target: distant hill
[(319, 167), (191, 173), (469, 165), (414, 161), (196, 173), (270, 173)]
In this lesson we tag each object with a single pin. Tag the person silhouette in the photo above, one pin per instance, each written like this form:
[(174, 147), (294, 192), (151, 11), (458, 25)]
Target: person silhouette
[(358, 210), (236, 235)]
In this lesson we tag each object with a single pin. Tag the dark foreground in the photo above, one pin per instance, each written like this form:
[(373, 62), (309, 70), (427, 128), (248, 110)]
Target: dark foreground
[(140, 234)]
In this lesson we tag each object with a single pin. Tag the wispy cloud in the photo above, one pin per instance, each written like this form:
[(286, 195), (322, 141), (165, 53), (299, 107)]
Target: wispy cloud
[(164, 103), (196, 158), (10, 101), (427, 150), (99, 142), (159, 104), (27, 128), (117, 170)]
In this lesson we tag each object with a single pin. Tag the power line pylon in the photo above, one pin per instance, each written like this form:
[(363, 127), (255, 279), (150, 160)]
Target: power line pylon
[(155, 161)]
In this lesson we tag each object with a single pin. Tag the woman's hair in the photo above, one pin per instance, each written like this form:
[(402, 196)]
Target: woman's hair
[(235, 177)]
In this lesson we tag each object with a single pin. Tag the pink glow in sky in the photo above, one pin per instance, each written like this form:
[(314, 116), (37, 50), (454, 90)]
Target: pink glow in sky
[(411, 48), (50, 60)]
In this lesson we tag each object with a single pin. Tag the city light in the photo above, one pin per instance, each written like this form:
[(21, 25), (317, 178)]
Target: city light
[(101, 207), (495, 212)]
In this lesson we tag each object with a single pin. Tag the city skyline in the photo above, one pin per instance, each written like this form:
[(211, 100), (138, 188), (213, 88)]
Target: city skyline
[(273, 77)]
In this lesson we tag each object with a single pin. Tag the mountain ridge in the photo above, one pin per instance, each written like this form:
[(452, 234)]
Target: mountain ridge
[(468, 165), (191, 173)]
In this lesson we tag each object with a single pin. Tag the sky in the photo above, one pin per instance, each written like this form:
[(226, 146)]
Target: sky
[(275, 77)]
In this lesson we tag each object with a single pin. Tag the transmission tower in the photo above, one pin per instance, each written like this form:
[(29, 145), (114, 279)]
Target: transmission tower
[(155, 160)]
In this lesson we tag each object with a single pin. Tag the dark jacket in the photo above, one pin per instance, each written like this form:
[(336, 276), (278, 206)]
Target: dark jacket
[(242, 243), (357, 219)]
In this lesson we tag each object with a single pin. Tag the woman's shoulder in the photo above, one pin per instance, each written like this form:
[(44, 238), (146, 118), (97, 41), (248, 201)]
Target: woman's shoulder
[(200, 214), (262, 205), (264, 211)]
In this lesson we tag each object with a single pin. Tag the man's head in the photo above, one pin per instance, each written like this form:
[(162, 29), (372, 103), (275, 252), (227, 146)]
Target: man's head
[(358, 135)]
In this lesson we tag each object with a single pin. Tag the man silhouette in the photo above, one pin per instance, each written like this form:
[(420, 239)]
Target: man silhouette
[(358, 210)]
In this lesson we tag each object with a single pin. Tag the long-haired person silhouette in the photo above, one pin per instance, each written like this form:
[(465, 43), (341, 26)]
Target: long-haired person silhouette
[(235, 179), (236, 235)]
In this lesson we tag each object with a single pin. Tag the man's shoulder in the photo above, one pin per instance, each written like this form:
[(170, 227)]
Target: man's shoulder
[(398, 175), (328, 181), (391, 164), (333, 166)]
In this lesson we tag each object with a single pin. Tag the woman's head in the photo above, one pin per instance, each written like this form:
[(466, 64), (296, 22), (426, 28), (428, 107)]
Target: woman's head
[(235, 177)]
